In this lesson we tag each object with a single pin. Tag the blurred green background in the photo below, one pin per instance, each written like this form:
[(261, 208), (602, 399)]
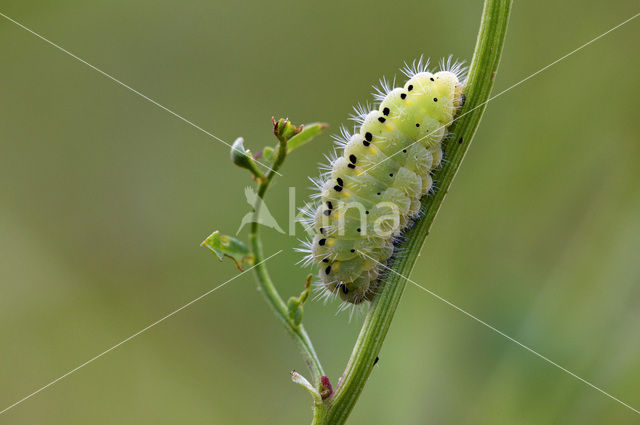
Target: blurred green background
[(105, 198)]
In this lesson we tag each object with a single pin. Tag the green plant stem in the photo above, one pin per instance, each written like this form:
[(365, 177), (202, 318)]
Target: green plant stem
[(266, 284), (482, 71)]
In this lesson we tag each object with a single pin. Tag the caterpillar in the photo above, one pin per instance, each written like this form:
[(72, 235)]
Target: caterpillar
[(370, 191)]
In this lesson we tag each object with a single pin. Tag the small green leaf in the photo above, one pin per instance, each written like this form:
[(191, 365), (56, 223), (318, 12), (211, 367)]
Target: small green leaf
[(284, 130), (242, 158), (269, 153), (294, 309), (308, 132), (302, 381), (307, 289), (295, 304), (227, 246)]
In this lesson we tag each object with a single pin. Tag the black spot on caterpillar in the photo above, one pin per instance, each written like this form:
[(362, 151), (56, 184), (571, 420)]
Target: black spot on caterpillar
[(373, 203)]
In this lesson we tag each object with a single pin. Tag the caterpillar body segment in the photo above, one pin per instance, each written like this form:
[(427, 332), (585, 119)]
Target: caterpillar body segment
[(371, 192)]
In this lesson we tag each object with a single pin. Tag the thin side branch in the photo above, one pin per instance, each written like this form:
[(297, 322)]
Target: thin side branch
[(269, 290)]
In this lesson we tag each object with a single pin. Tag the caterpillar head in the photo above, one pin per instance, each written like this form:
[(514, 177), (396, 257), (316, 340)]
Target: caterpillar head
[(355, 292), (448, 82)]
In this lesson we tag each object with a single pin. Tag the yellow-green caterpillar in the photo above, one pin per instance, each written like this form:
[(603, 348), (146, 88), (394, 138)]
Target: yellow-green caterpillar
[(370, 192)]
